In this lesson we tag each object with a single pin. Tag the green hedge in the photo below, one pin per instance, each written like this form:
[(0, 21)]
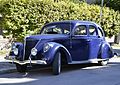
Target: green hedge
[(24, 17)]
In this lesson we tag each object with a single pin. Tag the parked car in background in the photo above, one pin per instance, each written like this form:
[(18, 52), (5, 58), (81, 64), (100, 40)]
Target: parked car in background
[(64, 42)]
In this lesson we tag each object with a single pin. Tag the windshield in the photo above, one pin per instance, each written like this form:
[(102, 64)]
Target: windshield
[(56, 29)]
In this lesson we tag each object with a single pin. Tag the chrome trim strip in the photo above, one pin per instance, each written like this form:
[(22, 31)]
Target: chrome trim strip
[(24, 48), (87, 61), (34, 47), (37, 43)]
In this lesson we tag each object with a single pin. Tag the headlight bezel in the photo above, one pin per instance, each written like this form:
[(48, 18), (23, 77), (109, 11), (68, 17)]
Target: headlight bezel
[(34, 51), (46, 47), (15, 51), (14, 45)]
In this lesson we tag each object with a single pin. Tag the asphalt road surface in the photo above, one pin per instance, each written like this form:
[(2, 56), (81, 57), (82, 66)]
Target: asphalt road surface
[(90, 74)]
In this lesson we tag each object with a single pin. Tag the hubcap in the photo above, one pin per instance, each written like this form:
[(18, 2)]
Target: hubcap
[(104, 62), (59, 63)]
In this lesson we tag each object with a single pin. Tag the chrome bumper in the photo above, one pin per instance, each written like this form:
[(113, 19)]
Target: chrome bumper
[(13, 60)]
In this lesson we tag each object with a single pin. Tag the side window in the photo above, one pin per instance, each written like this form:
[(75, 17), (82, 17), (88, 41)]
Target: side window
[(57, 30), (80, 30), (92, 30), (100, 33), (66, 31)]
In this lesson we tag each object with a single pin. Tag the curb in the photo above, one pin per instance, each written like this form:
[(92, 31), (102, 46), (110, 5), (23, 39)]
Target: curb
[(6, 67), (4, 71)]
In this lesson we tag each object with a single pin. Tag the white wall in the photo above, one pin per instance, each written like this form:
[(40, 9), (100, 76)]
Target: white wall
[(110, 40)]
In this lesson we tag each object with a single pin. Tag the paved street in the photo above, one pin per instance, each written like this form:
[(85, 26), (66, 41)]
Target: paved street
[(91, 74)]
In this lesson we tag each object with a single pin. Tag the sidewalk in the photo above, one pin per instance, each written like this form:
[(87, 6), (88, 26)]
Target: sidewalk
[(114, 60), (117, 50)]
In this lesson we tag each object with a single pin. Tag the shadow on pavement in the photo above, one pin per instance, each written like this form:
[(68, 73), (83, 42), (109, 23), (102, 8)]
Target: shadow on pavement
[(40, 74), (47, 71)]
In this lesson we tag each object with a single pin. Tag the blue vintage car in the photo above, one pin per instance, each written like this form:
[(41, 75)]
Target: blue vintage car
[(64, 42)]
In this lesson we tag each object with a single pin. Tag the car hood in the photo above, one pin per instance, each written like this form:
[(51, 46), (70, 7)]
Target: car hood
[(45, 36)]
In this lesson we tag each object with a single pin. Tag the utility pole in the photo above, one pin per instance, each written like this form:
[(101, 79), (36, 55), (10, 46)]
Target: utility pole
[(101, 11), (0, 25)]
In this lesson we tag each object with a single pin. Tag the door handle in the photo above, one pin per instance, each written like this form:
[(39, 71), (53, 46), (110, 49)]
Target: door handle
[(88, 40)]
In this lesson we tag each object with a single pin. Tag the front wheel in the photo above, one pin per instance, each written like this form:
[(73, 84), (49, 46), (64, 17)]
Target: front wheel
[(57, 64), (21, 68)]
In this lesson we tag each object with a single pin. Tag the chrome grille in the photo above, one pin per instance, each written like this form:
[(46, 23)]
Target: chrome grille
[(30, 43)]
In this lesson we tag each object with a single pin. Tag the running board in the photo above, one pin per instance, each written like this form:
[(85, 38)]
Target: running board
[(87, 61)]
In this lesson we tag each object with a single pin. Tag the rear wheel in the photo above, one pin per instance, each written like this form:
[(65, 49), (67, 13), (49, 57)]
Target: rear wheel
[(21, 68), (103, 62), (57, 64)]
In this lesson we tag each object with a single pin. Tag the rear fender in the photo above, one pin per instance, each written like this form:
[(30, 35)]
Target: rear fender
[(49, 55), (106, 51)]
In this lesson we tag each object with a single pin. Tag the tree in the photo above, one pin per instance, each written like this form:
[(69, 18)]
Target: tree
[(26, 17), (114, 4)]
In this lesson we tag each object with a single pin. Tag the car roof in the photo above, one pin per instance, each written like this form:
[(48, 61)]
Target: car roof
[(73, 22)]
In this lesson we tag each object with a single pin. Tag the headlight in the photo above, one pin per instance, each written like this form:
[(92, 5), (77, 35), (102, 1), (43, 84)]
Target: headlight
[(46, 47), (15, 51), (34, 52), (13, 45)]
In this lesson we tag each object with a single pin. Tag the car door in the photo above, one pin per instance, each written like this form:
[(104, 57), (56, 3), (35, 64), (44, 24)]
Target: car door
[(80, 48), (95, 41)]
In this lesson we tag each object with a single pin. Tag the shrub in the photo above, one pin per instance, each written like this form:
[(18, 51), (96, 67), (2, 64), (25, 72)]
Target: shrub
[(25, 17)]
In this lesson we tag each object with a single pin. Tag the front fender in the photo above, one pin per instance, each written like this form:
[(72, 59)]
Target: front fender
[(54, 48), (20, 50), (106, 51)]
